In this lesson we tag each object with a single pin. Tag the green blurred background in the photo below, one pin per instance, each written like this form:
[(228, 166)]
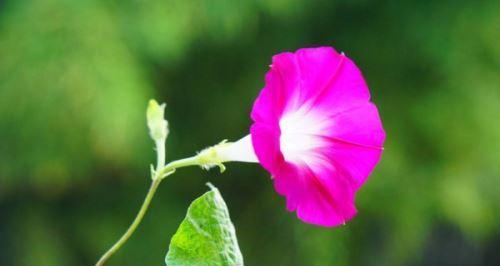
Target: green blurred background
[(75, 78)]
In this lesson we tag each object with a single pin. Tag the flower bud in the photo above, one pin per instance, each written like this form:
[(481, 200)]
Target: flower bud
[(158, 126)]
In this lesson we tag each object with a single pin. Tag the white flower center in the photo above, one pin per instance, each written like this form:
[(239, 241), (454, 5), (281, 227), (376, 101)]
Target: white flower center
[(301, 135)]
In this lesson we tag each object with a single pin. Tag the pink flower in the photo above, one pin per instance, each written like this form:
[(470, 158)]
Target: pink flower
[(317, 133)]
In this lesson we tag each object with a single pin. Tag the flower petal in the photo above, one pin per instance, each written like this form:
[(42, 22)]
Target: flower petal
[(319, 196), (354, 162), (359, 126), (265, 142), (345, 90), (316, 131)]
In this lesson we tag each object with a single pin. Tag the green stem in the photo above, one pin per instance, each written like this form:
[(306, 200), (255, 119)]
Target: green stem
[(172, 166), (133, 226), (162, 173), (160, 153)]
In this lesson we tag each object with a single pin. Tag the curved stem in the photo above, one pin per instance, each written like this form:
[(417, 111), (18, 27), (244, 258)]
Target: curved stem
[(172, 166), (133, 226), (160, 174)]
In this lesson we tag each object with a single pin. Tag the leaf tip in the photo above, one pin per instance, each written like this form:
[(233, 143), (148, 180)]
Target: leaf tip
[(211, 186)]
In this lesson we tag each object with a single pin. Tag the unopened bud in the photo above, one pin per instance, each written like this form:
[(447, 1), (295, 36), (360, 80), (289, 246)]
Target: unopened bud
[(158, 126)]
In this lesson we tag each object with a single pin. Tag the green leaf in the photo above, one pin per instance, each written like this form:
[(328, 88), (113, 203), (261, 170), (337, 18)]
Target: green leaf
[(206, 236)]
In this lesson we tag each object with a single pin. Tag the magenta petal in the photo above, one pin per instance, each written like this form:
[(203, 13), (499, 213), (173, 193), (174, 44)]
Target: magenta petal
[(321, 197), (319, 67), (317, 133), (265, 141), (360, 125), (354, 162), (266, 108)]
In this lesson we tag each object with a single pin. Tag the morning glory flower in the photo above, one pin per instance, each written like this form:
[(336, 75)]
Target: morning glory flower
[(316, 132)]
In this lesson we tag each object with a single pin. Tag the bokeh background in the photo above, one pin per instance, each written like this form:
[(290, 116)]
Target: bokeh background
[(75, 78)]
